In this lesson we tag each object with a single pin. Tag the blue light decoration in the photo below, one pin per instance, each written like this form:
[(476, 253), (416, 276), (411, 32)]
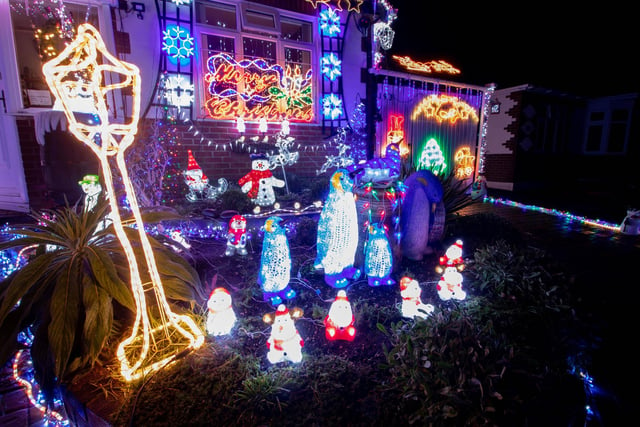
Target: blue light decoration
[(275, 263), (178, 44), (331, 66), (329, 22), (378, 259), (331, 106), (337, 239)]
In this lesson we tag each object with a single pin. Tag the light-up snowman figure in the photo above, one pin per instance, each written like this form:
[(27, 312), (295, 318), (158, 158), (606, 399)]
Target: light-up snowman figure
[(339, 322), (285, 342), (220, 318), (82, 85)]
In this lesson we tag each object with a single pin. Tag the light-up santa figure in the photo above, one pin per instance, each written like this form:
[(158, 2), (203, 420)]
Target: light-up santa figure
[(195, 178), (259, 183), (285, 342), (237, 236), (412, 305), (221, 318), (275, 263), (339, 322), (337, 239)]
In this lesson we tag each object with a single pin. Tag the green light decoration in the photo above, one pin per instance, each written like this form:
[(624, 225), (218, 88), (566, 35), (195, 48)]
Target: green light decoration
[(432, 158)]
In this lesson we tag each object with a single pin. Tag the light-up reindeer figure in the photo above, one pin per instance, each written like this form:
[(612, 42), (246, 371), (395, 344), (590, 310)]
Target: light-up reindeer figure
[(77, 80)]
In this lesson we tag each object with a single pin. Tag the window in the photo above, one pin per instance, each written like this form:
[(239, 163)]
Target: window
[(608, 131), (262, 68), (40, 36)]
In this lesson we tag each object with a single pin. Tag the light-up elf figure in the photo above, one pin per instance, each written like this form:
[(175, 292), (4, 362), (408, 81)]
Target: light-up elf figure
[(259, 183), (285, 342), (220, 317), (237, 236), (337, 239), (339, 322), (275, 263), (378, 260), (91, 187), (83, 77), (451, 264)]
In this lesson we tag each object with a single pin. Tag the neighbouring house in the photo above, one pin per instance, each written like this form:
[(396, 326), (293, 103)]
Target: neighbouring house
[(546, 145), (221, 79)]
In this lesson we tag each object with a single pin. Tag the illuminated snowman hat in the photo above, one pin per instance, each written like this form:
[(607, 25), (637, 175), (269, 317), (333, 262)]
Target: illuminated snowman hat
[(342, 296), (219, 291), (282, 310)]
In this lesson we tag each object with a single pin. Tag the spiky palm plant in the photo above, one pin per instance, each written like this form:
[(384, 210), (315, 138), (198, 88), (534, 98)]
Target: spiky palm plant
[(74, 288)]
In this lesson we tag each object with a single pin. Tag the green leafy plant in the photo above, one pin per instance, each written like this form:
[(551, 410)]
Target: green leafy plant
[(75, 287)]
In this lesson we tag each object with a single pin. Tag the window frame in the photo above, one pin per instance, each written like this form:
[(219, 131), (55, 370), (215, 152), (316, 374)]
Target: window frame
[(601, 116), (203, 29)]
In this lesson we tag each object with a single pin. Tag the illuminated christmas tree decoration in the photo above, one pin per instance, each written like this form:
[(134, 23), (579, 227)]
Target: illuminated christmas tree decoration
[(178, 91), (331, 106), (464, 162), (337, 239), (339, 322), (237, 236), (444, 108), (178, 44), (284, 343), (395, 134), (155, 340), (329, 22), (331, 66), (275, 263), (432, 158), (412, 305), (378, 258), (438, 66), (220, 316)]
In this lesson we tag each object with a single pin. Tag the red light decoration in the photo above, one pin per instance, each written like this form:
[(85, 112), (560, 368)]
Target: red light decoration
[(339, 322)]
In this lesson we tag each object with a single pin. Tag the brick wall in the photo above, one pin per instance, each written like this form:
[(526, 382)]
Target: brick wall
[(32, 162)]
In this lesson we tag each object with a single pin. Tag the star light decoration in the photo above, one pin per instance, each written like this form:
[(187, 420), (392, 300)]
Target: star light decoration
[(329, 22), (331, 106), (352, 5), (178, 91), (178, 43), (331, 66), (79, 70)]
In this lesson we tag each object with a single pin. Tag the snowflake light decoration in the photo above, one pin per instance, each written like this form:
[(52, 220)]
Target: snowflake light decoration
[(178, 43), (329, 22), (181, 2), (178, 91), (331, 66), (331, 106)]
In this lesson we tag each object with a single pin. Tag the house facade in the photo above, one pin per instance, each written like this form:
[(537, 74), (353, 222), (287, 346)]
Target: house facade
[(222, 79)]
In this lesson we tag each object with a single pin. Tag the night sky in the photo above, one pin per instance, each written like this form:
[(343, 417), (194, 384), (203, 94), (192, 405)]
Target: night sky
[(591, 51)]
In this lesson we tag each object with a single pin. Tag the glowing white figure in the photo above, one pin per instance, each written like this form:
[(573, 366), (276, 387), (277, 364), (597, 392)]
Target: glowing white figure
[(275, 263), (378, 259), (337, 239), (285, 342), (259, 183), (453, 256), (221, 318), (339, 322), (155, 341), (450, 285), (412, 305), (237, 236)]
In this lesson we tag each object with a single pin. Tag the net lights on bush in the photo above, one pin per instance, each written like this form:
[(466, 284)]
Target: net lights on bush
[(155, 341), (340, 320)]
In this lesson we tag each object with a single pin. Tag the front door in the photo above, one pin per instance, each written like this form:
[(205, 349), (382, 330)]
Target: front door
[(13, 187)]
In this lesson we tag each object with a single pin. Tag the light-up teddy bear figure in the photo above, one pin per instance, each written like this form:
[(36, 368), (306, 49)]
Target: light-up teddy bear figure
[(237, 236), (339, 322), (451, 264), (221, 318), (337, 239), (378, 261), (259, 183), (412, 305), (453, 256), (275, 263), (285, 342)]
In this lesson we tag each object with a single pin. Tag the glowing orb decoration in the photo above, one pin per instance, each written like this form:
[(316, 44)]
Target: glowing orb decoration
[(284, 343), (337, 239), (220, 316), (444, 108), (331, 106), (412, 305), (178, 91), (178, 44), (464, 162), (339, 322), (331, 66), (432, 158), (438, 66), (329, 22), (156, 340)]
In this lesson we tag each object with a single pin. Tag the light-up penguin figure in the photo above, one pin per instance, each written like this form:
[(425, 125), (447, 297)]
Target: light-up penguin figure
[(337, 239), (220, 318), (275, 263), (285, 342), (339, 322), (378, 261), (237, 236)]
